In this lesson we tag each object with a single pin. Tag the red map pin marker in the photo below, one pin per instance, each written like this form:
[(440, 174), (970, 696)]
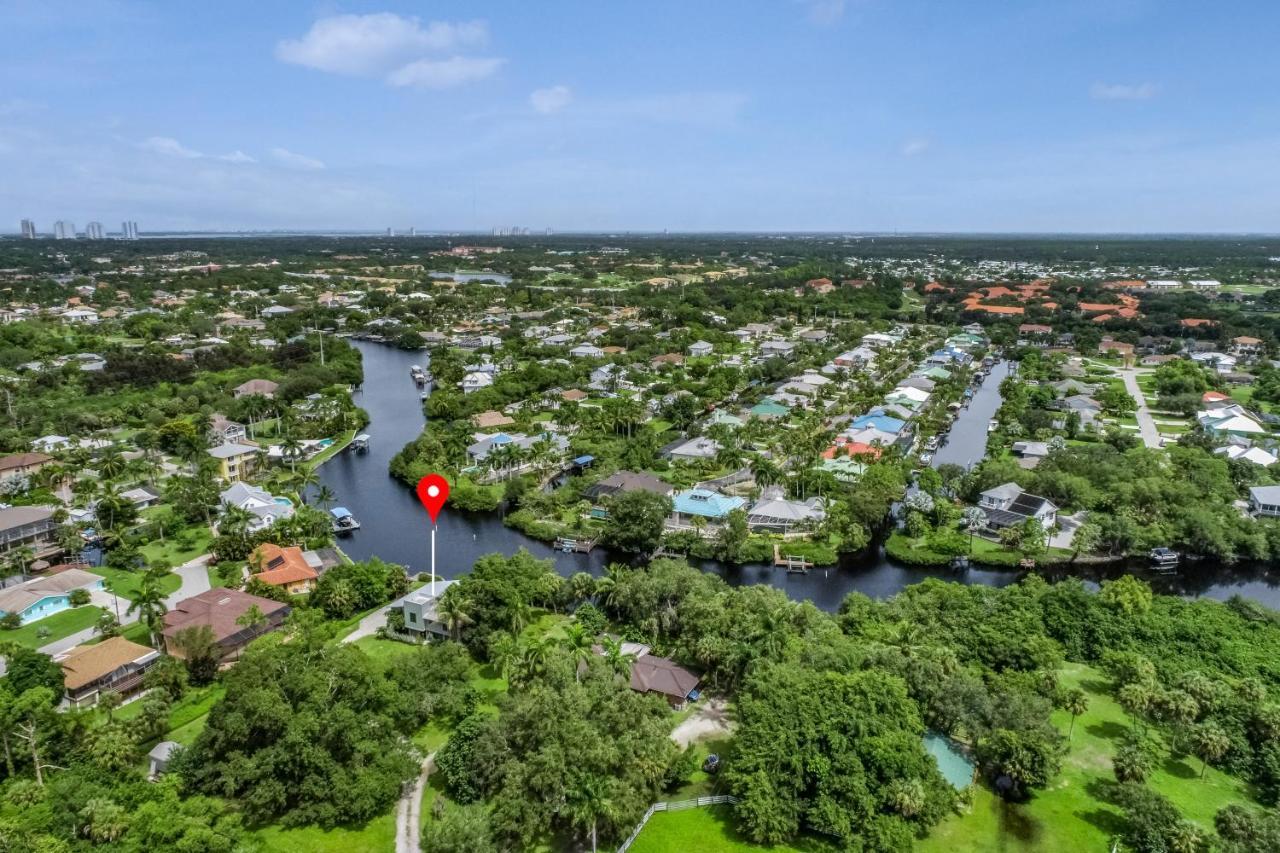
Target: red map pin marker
[(433, 491)]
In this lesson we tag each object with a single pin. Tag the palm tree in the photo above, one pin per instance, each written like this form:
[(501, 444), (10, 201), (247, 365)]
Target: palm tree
[(453, 612), (579, 644), (148, 603), (974, 520), (235, 521), (591, 800), (305, 480), (1076, 703), (617, 660), (112, 466), (325, 496), (291, 448)]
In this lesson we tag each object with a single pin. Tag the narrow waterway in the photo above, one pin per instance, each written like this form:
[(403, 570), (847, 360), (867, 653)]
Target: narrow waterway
[(395, 527)]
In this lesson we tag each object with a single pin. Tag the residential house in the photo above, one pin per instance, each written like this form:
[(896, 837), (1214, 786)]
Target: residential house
[(487, 444), (691, 449), (265, 507), (855, 358), (1008, 505), (21, 466), (1246, 347), (709, 505), (236, 461), (1265, 501), (1256, 455), (285, 568), (141, 497), (222, 610), (777, 349), (650, 674), (421, 610), (698, 349), (262, 387), (475, 381), (223, 430), (44, 596), (620, 483), (768, 410), (1228, 421), (586, 351), (879, 340), (27, 527), (116, 665), (491, 420), (774, 513)]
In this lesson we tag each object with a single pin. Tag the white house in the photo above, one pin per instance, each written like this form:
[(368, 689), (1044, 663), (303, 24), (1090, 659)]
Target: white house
[(1265, 501), (698, 349), (1008, 505), (475, 381), (586, 351)]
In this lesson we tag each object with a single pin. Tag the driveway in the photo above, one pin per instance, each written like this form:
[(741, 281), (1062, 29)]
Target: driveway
[(369, 625), (708, 721), (1146, 424), (195, 580)]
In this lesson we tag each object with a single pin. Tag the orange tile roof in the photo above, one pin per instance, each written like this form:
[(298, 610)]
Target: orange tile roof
[(1196, 322), (282, 566)]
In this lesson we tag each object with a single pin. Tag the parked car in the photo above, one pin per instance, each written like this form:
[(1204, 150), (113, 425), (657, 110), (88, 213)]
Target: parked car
[(712, 763)]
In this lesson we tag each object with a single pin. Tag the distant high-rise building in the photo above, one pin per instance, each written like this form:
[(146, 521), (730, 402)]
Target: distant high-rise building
[(63, 230), (128, 230), (28, 229), (413, 232), (390, 233), (93, 231)]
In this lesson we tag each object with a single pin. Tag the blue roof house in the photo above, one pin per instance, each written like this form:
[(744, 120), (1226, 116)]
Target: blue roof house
[(880, 421), (702, 503)]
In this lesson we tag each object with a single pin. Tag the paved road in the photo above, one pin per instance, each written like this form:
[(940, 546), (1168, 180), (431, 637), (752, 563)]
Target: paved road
[(409, 811), (1146, 424)]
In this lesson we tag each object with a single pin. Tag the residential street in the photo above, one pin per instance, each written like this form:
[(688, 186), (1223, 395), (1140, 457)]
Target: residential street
[(1146, 423)]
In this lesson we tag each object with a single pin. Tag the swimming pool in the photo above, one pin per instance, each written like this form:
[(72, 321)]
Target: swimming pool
[(955, 765)]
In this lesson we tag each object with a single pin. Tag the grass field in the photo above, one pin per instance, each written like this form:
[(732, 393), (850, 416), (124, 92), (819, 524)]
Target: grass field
[(1070, 815), (375, 836), (707, 830), (58, 625), (125, 583), (173, 550)]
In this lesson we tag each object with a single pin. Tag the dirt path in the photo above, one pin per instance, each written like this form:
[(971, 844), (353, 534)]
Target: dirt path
[(409, 812), (708, 721)]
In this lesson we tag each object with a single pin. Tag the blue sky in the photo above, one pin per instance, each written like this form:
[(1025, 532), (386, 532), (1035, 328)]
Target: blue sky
[(1072, 115)]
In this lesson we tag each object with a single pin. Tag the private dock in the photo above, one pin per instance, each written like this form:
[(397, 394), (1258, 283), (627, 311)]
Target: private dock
[(793, 564), (574, 546), (360, 443)]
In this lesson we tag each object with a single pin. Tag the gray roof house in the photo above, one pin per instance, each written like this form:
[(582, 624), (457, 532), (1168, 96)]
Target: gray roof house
[(774, 512), (700, 447)]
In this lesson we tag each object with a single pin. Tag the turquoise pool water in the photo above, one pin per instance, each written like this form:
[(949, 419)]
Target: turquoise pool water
[(955, 766)]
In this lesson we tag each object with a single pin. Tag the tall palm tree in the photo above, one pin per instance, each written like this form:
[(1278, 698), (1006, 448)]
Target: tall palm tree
[(579, 643), (306, 479), (112, 466), (291, 447), (591, 800), (325, 496), (617, 660), (148, 603)]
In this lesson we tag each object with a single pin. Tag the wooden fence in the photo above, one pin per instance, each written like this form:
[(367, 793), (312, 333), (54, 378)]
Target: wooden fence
[(677, 806)]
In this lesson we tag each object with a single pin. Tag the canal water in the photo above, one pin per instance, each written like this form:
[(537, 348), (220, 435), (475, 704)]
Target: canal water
[(395, 527)]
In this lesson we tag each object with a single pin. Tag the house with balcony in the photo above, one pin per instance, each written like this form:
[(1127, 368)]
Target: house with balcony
[(1007, 505), (236, 461), (116, 665)]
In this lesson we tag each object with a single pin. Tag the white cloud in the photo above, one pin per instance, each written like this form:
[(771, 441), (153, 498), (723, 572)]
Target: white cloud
[(376, 44), (912, 147), (296, 161), (444, 73), (825, 12), (1123, 91), (550, 100), (237, 156), (169, 147)]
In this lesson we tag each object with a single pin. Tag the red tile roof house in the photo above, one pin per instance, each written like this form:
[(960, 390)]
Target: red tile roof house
[(283, 567), (220, 609), (821, 285)]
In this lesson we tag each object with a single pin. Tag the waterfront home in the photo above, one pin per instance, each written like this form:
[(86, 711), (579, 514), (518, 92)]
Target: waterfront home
[(487, 444), (877, 420), (19, 467), (236, 461), (1007, 505), (285, 568), (871, 437), (220, 610), (712, 506), (422, 610), (691, 449), (116, 665), (265, 507), (922, 383), (261, 387), (1264, 501), (26, 526), (698, 349), (40, 597), (774, 513), (619, 483)]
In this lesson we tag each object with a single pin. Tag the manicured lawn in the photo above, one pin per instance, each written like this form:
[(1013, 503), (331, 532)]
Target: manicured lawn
[(376, 836), (331, 451), (384, 651), (125, 583), (707, 830), (59, 625), (1070, 815), (173, 550)]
